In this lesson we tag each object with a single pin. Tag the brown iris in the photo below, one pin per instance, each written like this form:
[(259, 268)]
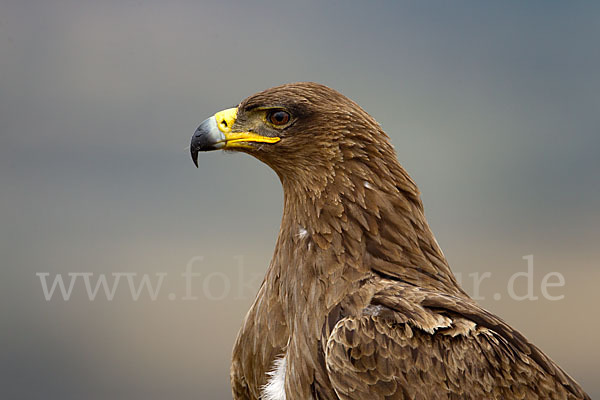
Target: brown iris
[(278, 117)]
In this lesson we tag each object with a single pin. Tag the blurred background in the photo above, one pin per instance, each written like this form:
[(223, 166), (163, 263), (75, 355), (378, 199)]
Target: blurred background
[(492, 108)]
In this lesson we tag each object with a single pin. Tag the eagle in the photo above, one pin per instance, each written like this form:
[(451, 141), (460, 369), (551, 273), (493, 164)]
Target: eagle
[(358, 301)]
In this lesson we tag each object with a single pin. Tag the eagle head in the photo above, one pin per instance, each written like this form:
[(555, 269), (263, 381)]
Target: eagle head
[(302, 130)]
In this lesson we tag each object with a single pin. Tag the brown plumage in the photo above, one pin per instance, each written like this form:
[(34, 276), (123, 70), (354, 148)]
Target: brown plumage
[(359, 298)]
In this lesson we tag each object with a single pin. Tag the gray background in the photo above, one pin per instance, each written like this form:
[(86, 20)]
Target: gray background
[(492, 108)]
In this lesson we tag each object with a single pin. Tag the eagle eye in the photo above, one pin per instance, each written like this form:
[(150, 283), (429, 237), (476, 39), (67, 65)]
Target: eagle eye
[(278, 117)]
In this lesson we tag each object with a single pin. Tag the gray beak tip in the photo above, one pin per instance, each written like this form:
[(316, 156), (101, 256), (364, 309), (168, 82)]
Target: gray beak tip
[(194, 157), (206, 138)]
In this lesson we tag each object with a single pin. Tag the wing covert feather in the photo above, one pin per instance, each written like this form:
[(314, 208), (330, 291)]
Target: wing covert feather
[(412, 351)]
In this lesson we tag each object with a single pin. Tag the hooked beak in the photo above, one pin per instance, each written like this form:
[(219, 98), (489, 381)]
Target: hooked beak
[(207, 137), (215, 133)]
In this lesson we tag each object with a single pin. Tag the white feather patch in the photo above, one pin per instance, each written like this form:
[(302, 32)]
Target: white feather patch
[(368, 185), (275, 387), (302, 233), (373, 310)]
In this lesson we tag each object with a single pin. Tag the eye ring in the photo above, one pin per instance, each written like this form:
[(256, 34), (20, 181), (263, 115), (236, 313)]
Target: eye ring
[(278, 117)]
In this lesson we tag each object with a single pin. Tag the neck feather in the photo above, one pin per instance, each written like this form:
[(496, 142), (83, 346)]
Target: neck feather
[(354, 225)]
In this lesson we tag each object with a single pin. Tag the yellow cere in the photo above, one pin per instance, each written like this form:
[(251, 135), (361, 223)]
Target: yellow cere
[(226, 119)]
